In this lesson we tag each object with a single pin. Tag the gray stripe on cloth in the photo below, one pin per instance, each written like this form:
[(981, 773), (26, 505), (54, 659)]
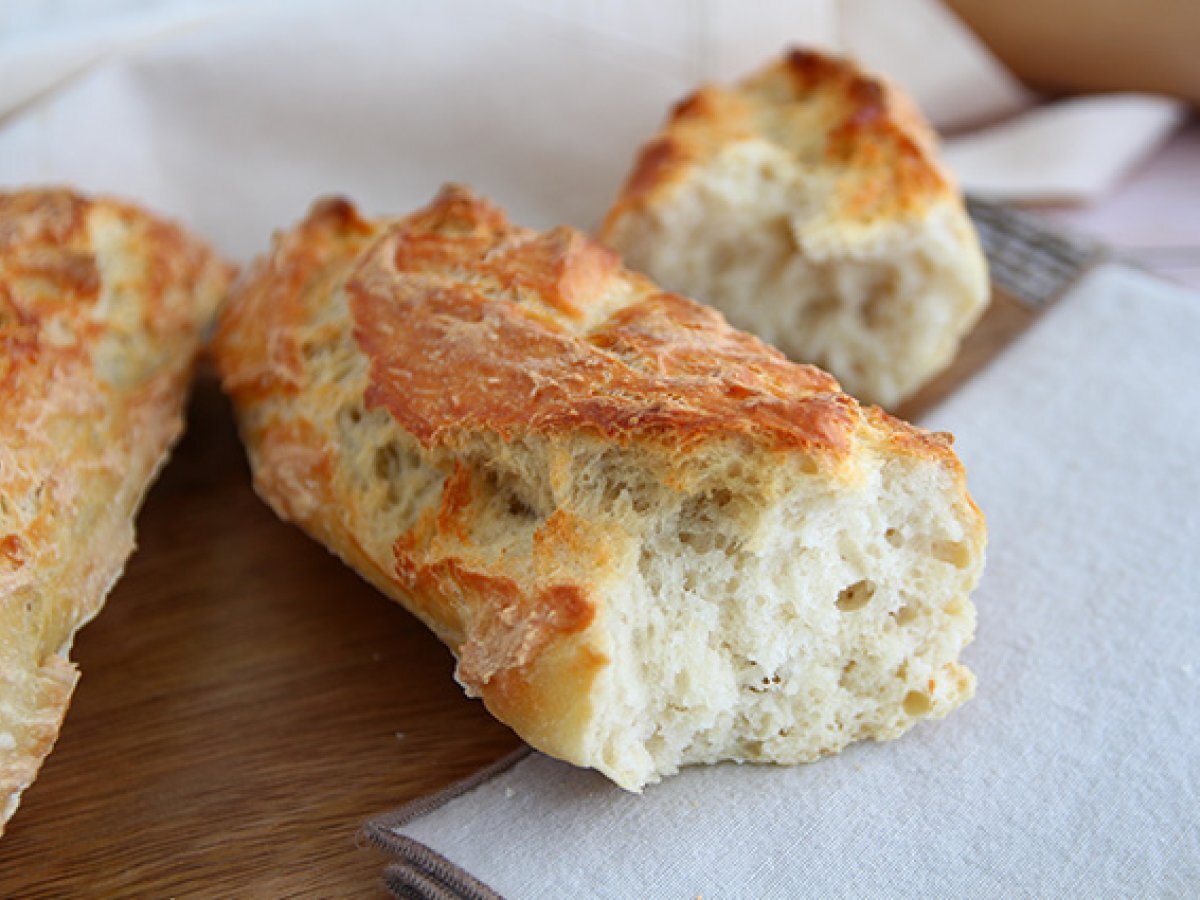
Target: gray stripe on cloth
[(419, 872), (1033, 262)]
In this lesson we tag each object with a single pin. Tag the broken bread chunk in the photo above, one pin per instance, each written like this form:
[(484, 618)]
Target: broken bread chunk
[(102, 311), (650, 540), (807, 204)]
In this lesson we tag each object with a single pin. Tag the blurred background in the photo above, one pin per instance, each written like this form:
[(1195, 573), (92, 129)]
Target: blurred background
[(1081, 111)]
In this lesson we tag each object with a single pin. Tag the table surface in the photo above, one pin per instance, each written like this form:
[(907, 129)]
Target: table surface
[(247, 701)]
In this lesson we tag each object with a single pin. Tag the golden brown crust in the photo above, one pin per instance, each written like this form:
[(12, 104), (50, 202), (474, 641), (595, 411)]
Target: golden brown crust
[(259, 328), (101, 309), (819, 108), (509, 351), (472, 324)]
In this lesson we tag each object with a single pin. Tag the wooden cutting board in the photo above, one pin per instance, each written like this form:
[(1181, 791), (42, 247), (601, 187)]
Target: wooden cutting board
[(247, 701)]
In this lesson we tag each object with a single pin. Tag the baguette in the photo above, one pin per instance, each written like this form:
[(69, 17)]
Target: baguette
[(649, 539), (808, 205), (101, 311)]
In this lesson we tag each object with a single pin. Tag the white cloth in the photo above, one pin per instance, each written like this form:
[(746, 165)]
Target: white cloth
[(1153, 217), (42, 54), (231, 114), (1075, 772), (1072, 150)]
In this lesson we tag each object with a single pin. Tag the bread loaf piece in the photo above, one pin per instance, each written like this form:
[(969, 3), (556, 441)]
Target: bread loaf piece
[(101, 311), (807, 204), (649, 539)]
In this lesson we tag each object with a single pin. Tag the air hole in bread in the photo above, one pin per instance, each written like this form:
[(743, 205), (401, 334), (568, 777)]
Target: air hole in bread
[(766, 683), (519, 508), (894, 537), (847, 672), (349, 415), (613, 482), (386, 462), (387, 467), (703, 522), (856, 596), (956, 553), (905, 615), (917, 703), (510, 495)]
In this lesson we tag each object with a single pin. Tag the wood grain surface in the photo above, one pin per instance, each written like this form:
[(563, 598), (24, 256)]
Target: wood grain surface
[(247, 701)]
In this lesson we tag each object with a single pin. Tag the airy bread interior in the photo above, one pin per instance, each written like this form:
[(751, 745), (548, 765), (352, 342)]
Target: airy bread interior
[(881, 304), (754, 608), (782, 628)]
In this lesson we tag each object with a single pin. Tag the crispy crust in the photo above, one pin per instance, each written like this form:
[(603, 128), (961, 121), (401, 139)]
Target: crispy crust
[(821, 108), (472, 344), (101, 309), (661, 368)]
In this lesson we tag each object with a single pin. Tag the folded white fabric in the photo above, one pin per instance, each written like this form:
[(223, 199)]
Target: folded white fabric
[(201, 110), (1071, 151), (60, 41), (1074, 772)]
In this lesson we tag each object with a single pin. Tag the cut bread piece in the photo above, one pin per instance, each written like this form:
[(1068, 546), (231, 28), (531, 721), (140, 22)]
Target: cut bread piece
[(807, 203), (102, 310), (649, 539)]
